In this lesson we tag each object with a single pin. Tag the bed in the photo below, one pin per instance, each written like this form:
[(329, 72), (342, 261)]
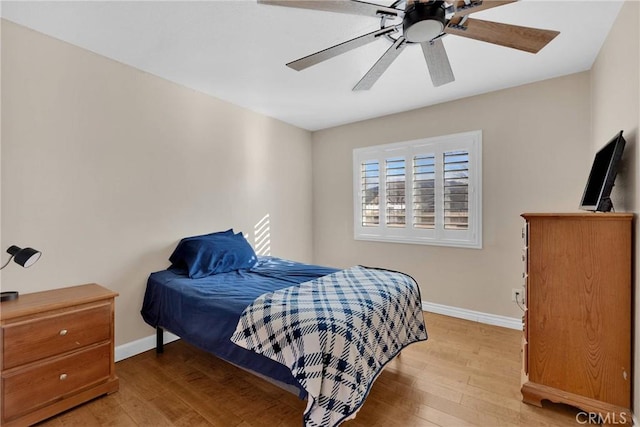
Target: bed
[(264, 319)]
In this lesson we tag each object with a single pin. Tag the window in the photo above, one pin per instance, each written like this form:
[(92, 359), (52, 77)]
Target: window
[(426, 191)]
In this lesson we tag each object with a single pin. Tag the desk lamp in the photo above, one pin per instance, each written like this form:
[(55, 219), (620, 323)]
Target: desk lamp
[(25, 257)]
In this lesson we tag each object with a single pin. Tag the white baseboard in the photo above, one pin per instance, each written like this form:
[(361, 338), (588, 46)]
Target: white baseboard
[(476, 316), (132, 348)]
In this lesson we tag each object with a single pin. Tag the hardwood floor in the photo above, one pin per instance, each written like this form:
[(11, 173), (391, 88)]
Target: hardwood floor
[(466, 374)]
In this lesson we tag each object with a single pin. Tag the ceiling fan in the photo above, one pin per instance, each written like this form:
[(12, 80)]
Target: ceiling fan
[(423, 22)]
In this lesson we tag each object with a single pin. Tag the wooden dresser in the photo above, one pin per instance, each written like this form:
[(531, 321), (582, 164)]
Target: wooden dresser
[(57, 352), (577, 323)]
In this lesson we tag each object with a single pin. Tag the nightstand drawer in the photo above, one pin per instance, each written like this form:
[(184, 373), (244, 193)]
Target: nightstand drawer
[(27, 389), (36, 339)]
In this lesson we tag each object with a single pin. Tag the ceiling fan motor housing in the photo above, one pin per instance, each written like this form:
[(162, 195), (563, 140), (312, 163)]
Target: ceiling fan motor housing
[(423, 21)]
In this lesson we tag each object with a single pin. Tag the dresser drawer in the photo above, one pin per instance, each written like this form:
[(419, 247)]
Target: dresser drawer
[(29, 388), (36, 339)]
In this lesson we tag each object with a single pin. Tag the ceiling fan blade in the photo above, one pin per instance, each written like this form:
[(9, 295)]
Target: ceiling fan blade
[(462, 8), (513, 36), (381, 65), (323, 55), (437, 62), (354, 7)]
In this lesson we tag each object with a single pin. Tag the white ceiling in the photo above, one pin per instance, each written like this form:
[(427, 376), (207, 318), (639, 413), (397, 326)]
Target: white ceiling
[(236, 51)]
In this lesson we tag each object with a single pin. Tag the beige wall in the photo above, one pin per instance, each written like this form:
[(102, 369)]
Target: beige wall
[(2, 260), (536, 155), (105, 168), (615, 101)]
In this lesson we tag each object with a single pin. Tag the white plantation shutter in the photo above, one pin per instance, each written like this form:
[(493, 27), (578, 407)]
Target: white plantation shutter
[(423, 191), (369, 198), (426, 191), (456, 190), (395, 183)]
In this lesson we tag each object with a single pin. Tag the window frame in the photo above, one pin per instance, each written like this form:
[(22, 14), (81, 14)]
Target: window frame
[(438, 236)]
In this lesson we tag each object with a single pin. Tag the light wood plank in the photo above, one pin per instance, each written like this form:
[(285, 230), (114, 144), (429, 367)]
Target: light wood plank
[(464, 375)]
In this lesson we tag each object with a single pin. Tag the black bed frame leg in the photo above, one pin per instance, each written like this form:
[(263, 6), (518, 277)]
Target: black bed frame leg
[(159, 340)]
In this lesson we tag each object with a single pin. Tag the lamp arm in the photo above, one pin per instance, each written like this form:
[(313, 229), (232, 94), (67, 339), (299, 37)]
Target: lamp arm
[(7, 263)]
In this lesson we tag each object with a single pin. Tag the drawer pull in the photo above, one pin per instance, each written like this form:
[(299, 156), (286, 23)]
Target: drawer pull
[(63, 332), (63, 377)]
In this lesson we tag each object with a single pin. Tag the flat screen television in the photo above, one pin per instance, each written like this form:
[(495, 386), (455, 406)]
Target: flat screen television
[(597, 192)]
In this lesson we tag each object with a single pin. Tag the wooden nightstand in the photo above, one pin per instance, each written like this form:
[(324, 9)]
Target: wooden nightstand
[(56, 352)]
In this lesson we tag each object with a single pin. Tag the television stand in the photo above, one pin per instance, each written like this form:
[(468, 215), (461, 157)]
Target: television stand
[(607, 205)]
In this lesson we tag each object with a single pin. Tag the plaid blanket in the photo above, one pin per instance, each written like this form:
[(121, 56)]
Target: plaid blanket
[(335, 333)]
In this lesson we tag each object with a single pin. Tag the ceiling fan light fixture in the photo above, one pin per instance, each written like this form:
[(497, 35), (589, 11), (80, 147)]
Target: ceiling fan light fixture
[(424, 31), (423, 21)]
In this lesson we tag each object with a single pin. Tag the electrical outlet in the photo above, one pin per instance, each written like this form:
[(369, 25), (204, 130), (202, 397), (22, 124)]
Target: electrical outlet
[(516, 295)]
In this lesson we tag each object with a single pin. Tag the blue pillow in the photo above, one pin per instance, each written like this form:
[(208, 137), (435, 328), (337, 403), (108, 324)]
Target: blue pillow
[(229, 232), (181, 252), (201, 256)]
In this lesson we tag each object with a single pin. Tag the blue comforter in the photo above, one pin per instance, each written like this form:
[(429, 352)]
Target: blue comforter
[(205, 312)]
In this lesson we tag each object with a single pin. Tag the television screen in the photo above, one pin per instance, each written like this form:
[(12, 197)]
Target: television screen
[(602, 176)]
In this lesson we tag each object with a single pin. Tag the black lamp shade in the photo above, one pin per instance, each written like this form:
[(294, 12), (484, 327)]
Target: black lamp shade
[(25, 257)]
